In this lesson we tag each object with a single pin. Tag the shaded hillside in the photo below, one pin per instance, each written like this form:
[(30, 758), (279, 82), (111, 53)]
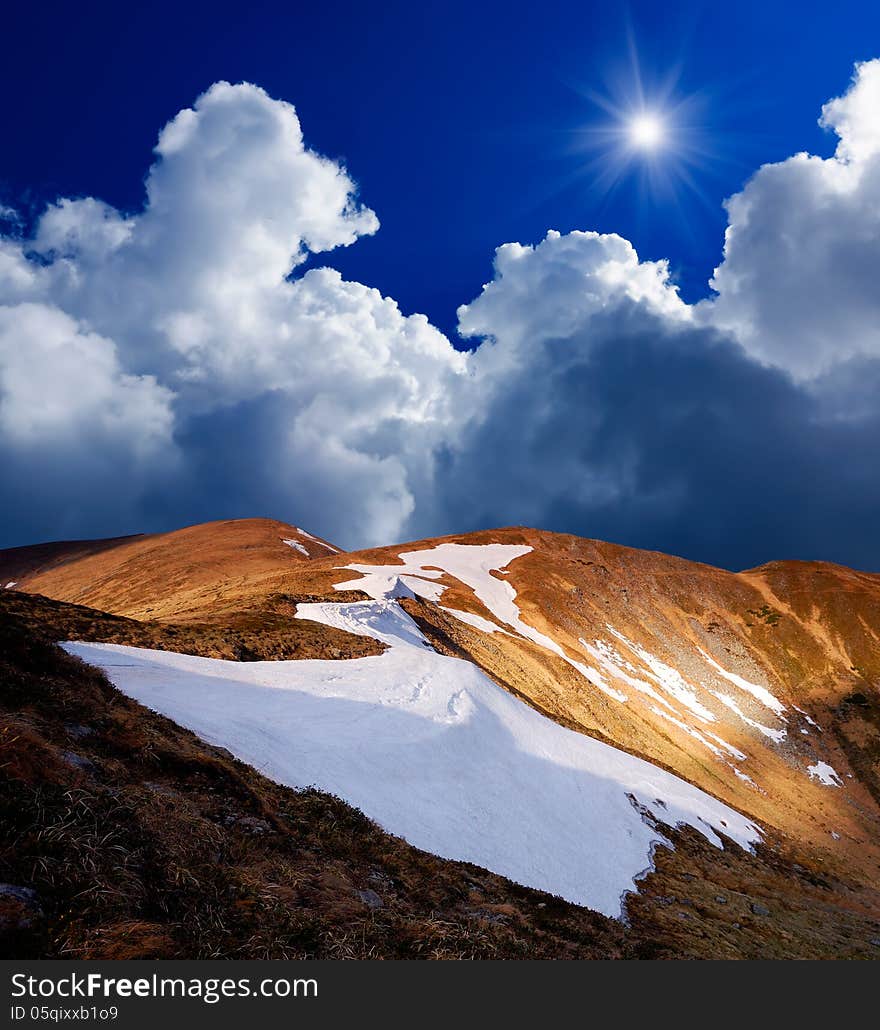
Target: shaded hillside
[(272, 634)]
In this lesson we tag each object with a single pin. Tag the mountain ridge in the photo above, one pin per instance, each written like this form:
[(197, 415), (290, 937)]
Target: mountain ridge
[(758, 687)]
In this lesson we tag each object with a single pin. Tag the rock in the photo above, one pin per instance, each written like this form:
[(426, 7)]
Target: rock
[(77, 731), (242, 653), (486, 917), (78, 762), (220, 752), (250, 824), (247, 823), (161, 789), (371, 899), (19, 907), (721, 899), (759, 909), (26, 894), (875, 941)]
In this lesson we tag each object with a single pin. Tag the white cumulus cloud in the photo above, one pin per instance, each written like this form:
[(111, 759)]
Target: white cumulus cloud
[(798, 283), (197, 296), (60, 382)]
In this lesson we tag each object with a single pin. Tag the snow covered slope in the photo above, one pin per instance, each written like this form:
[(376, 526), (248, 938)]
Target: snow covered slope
[(433, 750)]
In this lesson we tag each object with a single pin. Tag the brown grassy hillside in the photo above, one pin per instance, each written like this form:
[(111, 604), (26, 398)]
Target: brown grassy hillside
[(125, 836), (164, 574)]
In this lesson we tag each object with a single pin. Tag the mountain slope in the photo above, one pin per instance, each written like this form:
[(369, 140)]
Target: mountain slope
[(719, 684), (127, 837), (138, 840), (434, 751), (188, 571), (20, 563), (758, 688)]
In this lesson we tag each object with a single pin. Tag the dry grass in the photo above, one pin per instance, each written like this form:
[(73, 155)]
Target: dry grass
[(269, 632)]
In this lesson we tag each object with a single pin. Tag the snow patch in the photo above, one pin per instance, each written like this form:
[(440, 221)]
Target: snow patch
[(477, 621), (616, 665), (297, 546), (768, 731), (435, 751), (810, 720), (745, 777), (703, 738), (320, 543), (729, 748), (824, 773), (759, 693), (12, 583), (384, 621), (473, 565), (668, 679)]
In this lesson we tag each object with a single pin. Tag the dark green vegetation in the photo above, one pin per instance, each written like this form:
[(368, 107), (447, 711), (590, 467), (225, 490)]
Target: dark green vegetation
[(769, 616)]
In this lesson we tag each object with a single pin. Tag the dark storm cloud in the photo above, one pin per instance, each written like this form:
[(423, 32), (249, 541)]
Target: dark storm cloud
[(675, 441)]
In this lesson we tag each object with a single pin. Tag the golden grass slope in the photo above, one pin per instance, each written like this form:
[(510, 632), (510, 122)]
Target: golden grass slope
[(157, 576)]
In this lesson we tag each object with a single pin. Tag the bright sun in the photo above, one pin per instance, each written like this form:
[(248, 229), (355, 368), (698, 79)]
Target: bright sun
[(646, 132)]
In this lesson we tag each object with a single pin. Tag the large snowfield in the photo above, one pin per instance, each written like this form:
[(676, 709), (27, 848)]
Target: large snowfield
[(433, 750)]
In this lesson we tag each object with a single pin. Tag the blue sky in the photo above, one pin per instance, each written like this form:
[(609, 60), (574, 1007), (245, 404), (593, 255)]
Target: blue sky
[(460, 122), (172, 348)]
